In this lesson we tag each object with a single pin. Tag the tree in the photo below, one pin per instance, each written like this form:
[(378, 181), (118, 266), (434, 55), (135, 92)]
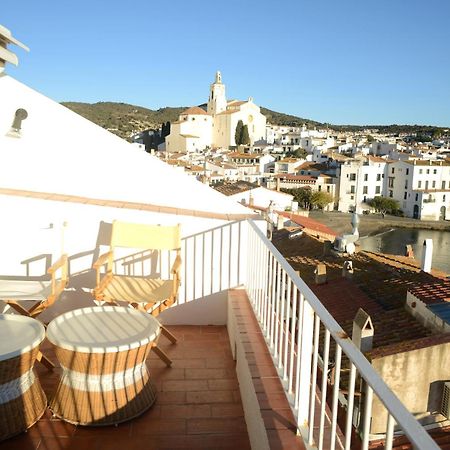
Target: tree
[(238, 132), (370, 138), (300, 153), (383, 204), (321, 199), (301, 195), (245, 138)]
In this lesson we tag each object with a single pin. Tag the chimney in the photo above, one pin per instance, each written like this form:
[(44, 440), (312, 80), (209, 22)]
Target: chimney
[(250, 199), (320, 274), (362, 334), (427, 255), (409, 252)]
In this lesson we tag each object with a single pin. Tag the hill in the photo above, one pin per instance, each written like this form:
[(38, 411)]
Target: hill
[(124, 119)]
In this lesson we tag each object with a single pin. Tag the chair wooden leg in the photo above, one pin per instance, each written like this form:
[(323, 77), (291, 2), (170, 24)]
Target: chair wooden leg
[(18, 307), (168, 334), (162, 355), (45, 361)]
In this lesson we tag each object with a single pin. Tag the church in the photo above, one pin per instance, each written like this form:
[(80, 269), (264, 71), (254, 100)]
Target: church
[(197, 129)]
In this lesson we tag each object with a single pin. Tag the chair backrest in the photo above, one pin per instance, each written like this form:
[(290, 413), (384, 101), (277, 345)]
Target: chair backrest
[(136, 235)]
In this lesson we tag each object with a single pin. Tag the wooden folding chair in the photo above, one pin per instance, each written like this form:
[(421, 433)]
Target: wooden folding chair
[(15, 290), (148, 293)]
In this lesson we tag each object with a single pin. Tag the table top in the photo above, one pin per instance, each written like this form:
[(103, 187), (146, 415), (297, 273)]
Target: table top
[(19, 335), (103, 329)]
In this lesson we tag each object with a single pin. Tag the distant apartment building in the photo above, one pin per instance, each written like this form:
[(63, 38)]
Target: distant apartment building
[(361, 179), (422, 188)]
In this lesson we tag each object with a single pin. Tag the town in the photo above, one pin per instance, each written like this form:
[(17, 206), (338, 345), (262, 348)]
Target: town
[(180, 295), (230, 146)]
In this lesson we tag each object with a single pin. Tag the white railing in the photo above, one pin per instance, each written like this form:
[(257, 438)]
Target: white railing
[(299, 330)]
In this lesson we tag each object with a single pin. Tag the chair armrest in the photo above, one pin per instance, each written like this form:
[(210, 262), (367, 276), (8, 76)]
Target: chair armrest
[(106, 258), (176, 265), (62, 264)]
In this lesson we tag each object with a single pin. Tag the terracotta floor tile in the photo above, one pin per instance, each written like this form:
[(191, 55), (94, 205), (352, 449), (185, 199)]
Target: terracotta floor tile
[(279, 419), (176, 397), (21, 442), (223, 385), (216, 425), (227, 410), (52, 428), (158, 426), (210, 397), (220, 363), (69, 443), (185, 385), (207, 374), (285, 440), (185, 411)]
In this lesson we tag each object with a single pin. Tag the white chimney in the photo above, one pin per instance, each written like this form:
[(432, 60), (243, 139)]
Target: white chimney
[(362, 334), (427, 255)]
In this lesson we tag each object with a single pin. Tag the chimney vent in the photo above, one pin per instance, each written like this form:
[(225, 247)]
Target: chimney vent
[(362, 335), (427, 255)]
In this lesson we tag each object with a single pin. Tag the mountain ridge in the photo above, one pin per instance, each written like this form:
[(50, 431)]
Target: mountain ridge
[(123, 118)]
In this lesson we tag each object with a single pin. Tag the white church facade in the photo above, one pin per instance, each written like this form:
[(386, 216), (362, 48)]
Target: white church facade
[(197, 129)]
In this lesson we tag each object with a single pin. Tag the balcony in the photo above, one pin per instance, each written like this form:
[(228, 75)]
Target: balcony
[(270, 342)]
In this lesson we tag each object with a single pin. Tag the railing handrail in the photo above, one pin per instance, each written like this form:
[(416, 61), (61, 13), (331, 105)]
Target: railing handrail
[(411, 427)]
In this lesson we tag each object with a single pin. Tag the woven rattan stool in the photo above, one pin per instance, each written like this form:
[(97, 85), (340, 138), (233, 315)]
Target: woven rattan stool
[(102, 351), (22, 400)]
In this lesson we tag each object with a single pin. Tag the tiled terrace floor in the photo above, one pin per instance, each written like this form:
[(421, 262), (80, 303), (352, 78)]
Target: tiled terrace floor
[(198, 404)]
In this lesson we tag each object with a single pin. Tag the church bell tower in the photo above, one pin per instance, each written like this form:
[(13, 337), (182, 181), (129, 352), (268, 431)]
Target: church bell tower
[(217, 101)]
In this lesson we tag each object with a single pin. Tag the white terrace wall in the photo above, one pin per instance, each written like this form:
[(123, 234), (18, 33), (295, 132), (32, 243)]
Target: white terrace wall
[(212, 260)]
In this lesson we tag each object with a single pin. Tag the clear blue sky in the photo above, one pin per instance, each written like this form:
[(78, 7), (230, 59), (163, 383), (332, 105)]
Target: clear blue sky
[(337, 61)]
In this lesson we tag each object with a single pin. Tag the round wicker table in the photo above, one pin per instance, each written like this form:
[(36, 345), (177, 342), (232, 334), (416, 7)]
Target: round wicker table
[(102, 351), (22, 400)]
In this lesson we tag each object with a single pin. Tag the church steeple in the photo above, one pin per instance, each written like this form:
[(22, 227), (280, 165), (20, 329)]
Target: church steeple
[(217, 101)]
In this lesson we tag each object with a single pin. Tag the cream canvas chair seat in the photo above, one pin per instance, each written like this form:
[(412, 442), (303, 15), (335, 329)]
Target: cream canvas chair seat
[(16, 290), (150, 293)]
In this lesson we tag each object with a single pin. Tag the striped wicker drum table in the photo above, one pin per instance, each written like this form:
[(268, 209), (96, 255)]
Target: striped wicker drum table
[(102, 351), (22, 400)]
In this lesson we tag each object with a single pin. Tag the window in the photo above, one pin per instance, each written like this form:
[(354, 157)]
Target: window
[(406, 184), (352, 189), (377, 190), (433, 185), (366, 177), (378, 176), (407, 171), (352, 176), (404, 196), (417, 197), (352, 197), (320, 188), (391, 182), (364, 189), (435, 171), (391, 193), (443, 185), (426, 184), (420, 171), (393, 170), (443, 198), (419, 184), (428, 171)]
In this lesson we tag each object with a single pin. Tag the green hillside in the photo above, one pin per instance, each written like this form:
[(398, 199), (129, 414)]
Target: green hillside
[(124, 119)]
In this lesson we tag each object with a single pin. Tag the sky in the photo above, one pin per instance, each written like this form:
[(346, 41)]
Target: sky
[(335, 61)]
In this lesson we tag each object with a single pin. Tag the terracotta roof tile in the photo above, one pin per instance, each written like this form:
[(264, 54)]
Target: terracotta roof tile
[(194, 111), (430, 293)]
